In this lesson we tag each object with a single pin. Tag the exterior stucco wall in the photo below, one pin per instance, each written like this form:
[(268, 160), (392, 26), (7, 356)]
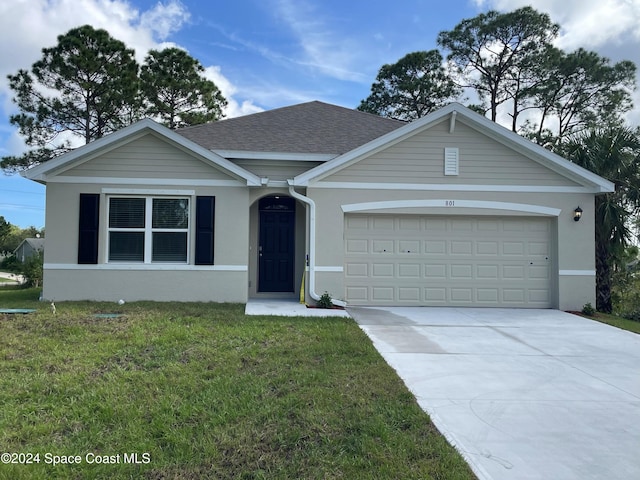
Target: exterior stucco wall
[(156, 285), (573, 243), (64, 279)]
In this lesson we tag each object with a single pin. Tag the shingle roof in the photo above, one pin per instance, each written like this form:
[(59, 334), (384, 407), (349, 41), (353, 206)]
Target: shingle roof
[(34, 243), (313, 127)]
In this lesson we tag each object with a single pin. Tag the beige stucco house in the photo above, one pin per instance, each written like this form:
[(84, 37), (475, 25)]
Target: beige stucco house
[(449, 210)]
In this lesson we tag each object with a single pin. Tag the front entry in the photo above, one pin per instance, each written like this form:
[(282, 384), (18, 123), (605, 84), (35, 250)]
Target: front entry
[(276, 249)]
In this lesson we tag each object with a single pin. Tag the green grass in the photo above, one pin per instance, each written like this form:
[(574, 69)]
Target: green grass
[(616, 321), (208, 393)]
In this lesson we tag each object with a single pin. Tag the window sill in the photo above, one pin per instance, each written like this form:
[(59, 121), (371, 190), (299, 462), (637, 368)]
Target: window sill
[(145, 267)]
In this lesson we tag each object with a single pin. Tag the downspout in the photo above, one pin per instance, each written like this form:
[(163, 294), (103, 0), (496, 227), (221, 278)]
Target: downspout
[(312, 243)]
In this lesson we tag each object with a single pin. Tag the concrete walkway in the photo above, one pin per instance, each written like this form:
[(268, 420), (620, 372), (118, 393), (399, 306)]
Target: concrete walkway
[(288, 308), (11, 279), (523, 394)]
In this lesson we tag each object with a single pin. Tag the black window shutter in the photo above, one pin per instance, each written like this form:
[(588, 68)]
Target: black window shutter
[(205, 216), (88, 228)]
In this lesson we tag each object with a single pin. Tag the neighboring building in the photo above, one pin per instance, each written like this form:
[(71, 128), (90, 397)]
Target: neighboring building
[(28, 247), (449, 210)]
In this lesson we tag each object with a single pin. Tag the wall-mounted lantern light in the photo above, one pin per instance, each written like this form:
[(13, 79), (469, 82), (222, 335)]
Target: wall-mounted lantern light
[(577, 214)]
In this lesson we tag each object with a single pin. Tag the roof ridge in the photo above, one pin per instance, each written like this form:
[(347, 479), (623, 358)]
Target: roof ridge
[(296, 106), (310, 127)]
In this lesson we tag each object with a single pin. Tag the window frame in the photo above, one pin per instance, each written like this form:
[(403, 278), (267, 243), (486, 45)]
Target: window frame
[(148, 230)]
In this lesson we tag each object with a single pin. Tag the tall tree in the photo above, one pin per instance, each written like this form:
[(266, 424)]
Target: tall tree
[(613, 153), (5, 230), (494, 54), (411, 88), (85, 86), (577, 91), (175, 90)]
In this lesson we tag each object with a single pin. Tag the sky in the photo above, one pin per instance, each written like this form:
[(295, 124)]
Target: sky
[(265, 54)]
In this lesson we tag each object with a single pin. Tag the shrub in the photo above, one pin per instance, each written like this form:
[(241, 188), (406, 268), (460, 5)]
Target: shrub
[(325, 300), (632, 315), (11, 264), (588, 309), (32, 270)]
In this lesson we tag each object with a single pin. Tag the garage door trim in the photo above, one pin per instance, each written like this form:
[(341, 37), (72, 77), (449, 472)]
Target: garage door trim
[(533, 260), (452, 204)]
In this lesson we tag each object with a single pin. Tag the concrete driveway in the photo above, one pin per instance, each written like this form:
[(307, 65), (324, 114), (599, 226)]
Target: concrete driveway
[(522, 394)]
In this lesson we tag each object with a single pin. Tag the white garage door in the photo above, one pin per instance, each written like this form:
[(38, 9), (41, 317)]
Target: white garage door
[(442, 261)]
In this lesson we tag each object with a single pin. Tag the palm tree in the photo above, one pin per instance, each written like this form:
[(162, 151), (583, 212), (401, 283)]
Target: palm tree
[(613, 153)]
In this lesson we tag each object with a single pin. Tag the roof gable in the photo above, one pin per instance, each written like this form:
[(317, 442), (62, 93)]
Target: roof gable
[(48, 170), (438, 158), (34, 243), (147, 156), (486, 127), (307, 128)]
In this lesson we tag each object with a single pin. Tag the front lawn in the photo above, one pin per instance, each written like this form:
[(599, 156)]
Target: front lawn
[(616, 321), (201, 391)]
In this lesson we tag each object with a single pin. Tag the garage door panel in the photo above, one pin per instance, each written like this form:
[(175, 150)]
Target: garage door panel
[(513, 272), (487, 248), (539, 296), (355, 270), (409, 246), (435, 247), (539, 272), (435, 295), (357, 246), (409, 294), (513, 225), (461, 272), (422, 260), (538, 248), (383, 270), (382, 246), (383, 223), (461, 247), (461, 225), (435, 272), (383, 294), (488, 225), (487, 272), (461, 295), (358, 294), (513, 295), (410, 224), (488, 295), (513, 248), (409, 270)]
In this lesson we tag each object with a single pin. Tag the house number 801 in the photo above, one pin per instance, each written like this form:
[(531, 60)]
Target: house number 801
[(449, 203)]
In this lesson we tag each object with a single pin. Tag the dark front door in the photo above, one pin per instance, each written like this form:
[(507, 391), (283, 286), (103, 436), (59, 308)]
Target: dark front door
[(276, 249)]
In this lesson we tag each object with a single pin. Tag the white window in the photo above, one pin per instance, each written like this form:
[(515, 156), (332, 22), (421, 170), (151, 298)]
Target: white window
[(148, 229)]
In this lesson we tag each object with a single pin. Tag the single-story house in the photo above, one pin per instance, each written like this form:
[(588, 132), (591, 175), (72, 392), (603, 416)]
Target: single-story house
[(28, 247), (448, 210)]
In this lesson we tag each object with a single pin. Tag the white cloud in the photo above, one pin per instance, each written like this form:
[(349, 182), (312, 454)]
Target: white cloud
[(165, 19), (228, 89), (333, 55), (30, 25), (585, 23), (609, 27)]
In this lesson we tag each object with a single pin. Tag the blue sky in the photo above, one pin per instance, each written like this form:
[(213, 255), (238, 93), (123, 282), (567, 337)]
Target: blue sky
[(265, 54)]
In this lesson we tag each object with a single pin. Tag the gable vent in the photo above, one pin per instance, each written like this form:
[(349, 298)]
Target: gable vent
[(451, 161)]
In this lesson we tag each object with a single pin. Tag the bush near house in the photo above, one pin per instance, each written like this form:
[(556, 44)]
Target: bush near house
[(32, 270)]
